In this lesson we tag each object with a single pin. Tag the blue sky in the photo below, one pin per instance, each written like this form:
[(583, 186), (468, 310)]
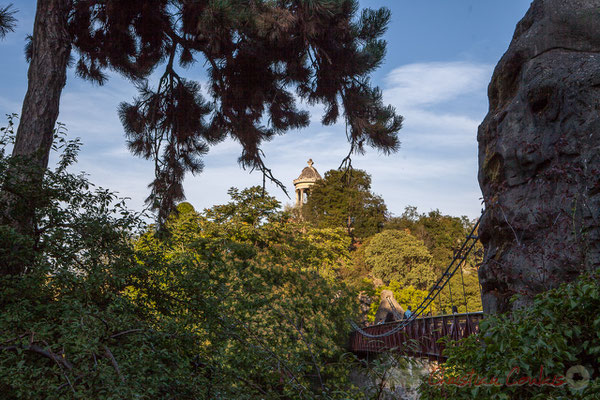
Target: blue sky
[(440, 58)]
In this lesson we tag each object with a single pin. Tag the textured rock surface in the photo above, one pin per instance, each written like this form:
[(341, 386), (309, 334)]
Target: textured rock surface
[(539, 154), (386, 302)]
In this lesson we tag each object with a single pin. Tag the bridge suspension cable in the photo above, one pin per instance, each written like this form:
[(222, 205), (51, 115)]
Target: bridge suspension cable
[(457, 261), (462, 279)]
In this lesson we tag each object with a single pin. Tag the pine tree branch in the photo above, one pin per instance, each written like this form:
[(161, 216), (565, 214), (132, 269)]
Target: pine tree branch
[(8, 22)]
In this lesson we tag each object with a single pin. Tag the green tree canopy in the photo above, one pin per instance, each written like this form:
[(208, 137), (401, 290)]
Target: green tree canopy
[(399, 256), (251, 276), (254, 217), (185, 208), (219, 308), (251, 206), (340, 199), (442, 234)]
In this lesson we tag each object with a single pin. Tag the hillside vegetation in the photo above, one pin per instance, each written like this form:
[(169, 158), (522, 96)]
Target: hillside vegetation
[(242, 300)]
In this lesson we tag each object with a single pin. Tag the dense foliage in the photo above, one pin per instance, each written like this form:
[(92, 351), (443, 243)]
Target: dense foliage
[(462, 292), (237, 301), (343, 199), (234, 302), (242, 300), (65, 323), (442, 234), (242, 276), (559, 331), (399, 256)]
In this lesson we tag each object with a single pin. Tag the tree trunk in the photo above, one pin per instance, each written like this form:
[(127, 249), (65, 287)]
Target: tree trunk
[(47, 75)]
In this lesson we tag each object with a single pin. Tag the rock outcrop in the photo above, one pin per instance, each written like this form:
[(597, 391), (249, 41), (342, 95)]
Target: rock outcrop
[(388, 305), (539, 155)]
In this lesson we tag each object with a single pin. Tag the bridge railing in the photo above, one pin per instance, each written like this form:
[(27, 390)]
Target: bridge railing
[(419, 338)]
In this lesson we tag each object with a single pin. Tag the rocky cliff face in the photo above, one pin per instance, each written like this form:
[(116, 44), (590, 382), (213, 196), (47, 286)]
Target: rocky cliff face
[(539, 155), (388, 304)]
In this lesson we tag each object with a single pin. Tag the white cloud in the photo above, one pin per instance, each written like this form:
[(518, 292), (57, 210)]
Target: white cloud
[(436, 129), (426, 84), (443, 104)]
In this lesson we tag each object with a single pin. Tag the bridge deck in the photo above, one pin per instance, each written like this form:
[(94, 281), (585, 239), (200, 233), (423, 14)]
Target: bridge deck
[(419, 338)]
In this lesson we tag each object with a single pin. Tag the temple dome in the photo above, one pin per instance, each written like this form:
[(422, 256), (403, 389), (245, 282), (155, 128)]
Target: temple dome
[(308, 177), (309, 173)]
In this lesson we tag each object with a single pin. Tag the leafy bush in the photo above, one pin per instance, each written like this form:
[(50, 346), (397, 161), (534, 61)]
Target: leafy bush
[(561, 330), (66, 329), (399, 256), (345, 201), (231, 303), (272, 324), (442, 234)]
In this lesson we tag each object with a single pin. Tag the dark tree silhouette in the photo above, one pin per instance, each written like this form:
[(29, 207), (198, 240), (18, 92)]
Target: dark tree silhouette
[(7, 20), (261, 57)]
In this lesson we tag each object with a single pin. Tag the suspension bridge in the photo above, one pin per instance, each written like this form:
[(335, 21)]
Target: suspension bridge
[(418, 334)]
